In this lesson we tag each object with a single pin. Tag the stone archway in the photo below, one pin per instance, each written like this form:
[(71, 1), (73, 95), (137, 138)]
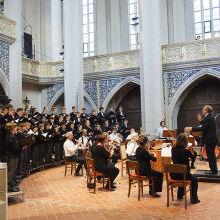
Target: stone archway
[(58, 101), (206, 91), (129, 97), (183, 91)]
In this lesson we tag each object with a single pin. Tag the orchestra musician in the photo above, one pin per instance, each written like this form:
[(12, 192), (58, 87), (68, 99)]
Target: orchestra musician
[(70, 150), (161, 129), (194, 153), (101, 157), (85, 140), (144, 157), (209, 139), (132, 146), (181, 155)]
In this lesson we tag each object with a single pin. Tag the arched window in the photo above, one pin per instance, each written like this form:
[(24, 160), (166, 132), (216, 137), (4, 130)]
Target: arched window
[(133, 24), (88, 28), (207, 19)]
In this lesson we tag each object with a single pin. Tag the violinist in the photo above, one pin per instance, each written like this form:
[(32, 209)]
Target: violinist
[(71, 155), (181, 155), (187, 133), (101, 157), (85, 140), (115, 136), (144, 157)]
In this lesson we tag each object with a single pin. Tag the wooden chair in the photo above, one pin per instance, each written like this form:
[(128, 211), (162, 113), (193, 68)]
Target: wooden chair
[(93, 174), (123, 158), (178, 169), (133, 174), (70, 165)]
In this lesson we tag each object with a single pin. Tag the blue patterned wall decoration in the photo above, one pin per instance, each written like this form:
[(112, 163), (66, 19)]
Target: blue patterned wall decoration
[(106, 86), (90, 87), (164, 89), (4, 58), (51, 91), (176, 79)]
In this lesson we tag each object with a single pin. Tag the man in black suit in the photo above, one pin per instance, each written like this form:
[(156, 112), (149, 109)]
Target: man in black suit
[(208, 129)]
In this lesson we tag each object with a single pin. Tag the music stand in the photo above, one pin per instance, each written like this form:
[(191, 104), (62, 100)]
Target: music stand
[(169, 133)]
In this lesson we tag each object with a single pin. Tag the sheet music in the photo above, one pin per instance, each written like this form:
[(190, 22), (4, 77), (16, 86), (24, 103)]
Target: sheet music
[(44, 134), (166, 150)]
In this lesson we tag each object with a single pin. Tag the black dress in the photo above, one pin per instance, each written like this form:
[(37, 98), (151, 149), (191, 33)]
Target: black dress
[(101, 156), (181, 155), (144, 157)]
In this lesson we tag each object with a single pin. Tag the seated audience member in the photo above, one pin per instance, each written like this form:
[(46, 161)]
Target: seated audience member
[(187, 133), (132, 146), (161, 129), (101, 157), (70, 150), (181, 155), (144, 157)]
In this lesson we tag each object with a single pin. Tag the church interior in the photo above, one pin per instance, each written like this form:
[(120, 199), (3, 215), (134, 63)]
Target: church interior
[(109, 109)]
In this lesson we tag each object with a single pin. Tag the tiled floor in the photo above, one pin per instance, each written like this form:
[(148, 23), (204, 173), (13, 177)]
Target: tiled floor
[(50, 195)]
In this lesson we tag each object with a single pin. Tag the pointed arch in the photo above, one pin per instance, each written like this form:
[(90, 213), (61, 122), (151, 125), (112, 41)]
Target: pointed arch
[(117, 88), (183, 91), (4, 83), (61, 92)]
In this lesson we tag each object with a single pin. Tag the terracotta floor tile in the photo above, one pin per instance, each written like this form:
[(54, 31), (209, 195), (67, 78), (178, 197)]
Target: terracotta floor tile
[(51, 196)]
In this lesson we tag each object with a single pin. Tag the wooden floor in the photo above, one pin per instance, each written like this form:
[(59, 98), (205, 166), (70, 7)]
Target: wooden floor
[(50, 195)]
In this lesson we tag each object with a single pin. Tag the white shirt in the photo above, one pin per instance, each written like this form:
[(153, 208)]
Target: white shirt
[(84, 140), (160, 131), (70, 148), (131, 148), (114, 137)]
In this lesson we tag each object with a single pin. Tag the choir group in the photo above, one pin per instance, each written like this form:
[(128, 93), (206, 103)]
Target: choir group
[(29, 139)]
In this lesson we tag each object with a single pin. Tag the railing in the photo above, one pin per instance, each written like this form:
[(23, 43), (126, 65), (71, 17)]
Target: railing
[(41, 69), (7, 29), (182, 52), (189, 51)]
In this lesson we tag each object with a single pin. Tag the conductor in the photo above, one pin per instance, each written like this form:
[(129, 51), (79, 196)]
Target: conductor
[(208, 129)]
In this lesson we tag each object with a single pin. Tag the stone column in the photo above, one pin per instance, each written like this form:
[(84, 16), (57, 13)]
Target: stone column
[(115, 26), (73, 53), (189, 18), (101, 39), (13, 11), (151, 66), (56, 29)]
